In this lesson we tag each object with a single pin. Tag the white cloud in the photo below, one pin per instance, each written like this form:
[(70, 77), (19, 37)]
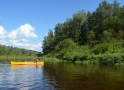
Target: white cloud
[(20, 37), (36, 47), (3, 32), (13, 34), (27, 30), (25, 44), (20, 42), (3, 42), (23, 31)]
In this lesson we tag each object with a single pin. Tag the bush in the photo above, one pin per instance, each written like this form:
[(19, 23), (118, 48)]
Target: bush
[(110, 59), (100, 48), (67, 43)]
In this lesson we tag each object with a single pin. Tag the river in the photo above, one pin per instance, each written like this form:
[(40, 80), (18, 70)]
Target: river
[(61, 76)]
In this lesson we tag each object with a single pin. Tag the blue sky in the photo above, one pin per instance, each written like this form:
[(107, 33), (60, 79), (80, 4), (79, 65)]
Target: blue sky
[(24, 23)]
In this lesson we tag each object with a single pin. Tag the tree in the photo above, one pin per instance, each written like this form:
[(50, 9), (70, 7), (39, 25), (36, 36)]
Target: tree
[(67, 43), (107, 36), (111, 22), (102, 25), (90, 37), (116, 8), (48, 43), (3, 50), (78, 20), (59, 32), (103, 11), (120, 35)]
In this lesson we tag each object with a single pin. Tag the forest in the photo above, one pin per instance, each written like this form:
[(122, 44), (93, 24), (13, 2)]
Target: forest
[(97, 37), (10, 51)]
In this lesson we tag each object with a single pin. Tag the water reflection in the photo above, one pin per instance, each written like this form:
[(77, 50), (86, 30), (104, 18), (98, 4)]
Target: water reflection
[(20, 77), (71, 76), (61, 76)]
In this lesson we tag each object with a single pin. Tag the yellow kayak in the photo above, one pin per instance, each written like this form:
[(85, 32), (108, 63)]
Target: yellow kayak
[(26, 63)]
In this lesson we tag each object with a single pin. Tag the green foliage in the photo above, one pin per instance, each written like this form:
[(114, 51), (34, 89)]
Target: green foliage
[(107, 47), (90, 35), (79, 53), (102, 48), (67, 43), (111, 59), (102, 31), (14, 51), (103, 11), (105, 53), (120, 35), (48, 42)]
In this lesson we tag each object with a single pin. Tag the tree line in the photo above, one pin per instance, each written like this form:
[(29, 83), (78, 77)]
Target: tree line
[(14, 51), (103, 25)]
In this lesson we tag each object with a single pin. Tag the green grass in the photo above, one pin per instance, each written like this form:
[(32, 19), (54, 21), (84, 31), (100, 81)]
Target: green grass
[(103, 53), (17, 58)]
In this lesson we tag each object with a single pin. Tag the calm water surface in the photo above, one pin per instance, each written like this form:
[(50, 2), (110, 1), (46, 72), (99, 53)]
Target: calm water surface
[(61, 76)]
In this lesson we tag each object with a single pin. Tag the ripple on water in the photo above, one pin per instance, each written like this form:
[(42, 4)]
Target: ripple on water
[(20, 78), (79, 77)]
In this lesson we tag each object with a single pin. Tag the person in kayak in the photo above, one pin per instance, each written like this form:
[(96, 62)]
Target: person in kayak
[(36, 59)]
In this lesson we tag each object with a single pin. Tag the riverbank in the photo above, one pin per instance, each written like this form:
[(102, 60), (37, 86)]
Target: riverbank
[(103, 53), (5, 58)]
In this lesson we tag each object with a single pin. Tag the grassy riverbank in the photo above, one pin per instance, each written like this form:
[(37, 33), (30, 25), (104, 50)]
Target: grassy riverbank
[(104, 53), (96, 37), (5, 58)]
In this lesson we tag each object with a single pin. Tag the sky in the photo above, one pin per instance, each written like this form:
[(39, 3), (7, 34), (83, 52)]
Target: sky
[(24, 23)]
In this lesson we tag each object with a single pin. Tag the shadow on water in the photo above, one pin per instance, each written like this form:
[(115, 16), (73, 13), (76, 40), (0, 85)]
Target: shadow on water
[(72, 76)]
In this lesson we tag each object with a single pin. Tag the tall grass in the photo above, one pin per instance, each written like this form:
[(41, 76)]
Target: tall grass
[(16, 58), (103, 53)]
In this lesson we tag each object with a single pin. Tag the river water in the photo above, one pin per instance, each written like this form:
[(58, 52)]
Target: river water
[(61, 76)]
